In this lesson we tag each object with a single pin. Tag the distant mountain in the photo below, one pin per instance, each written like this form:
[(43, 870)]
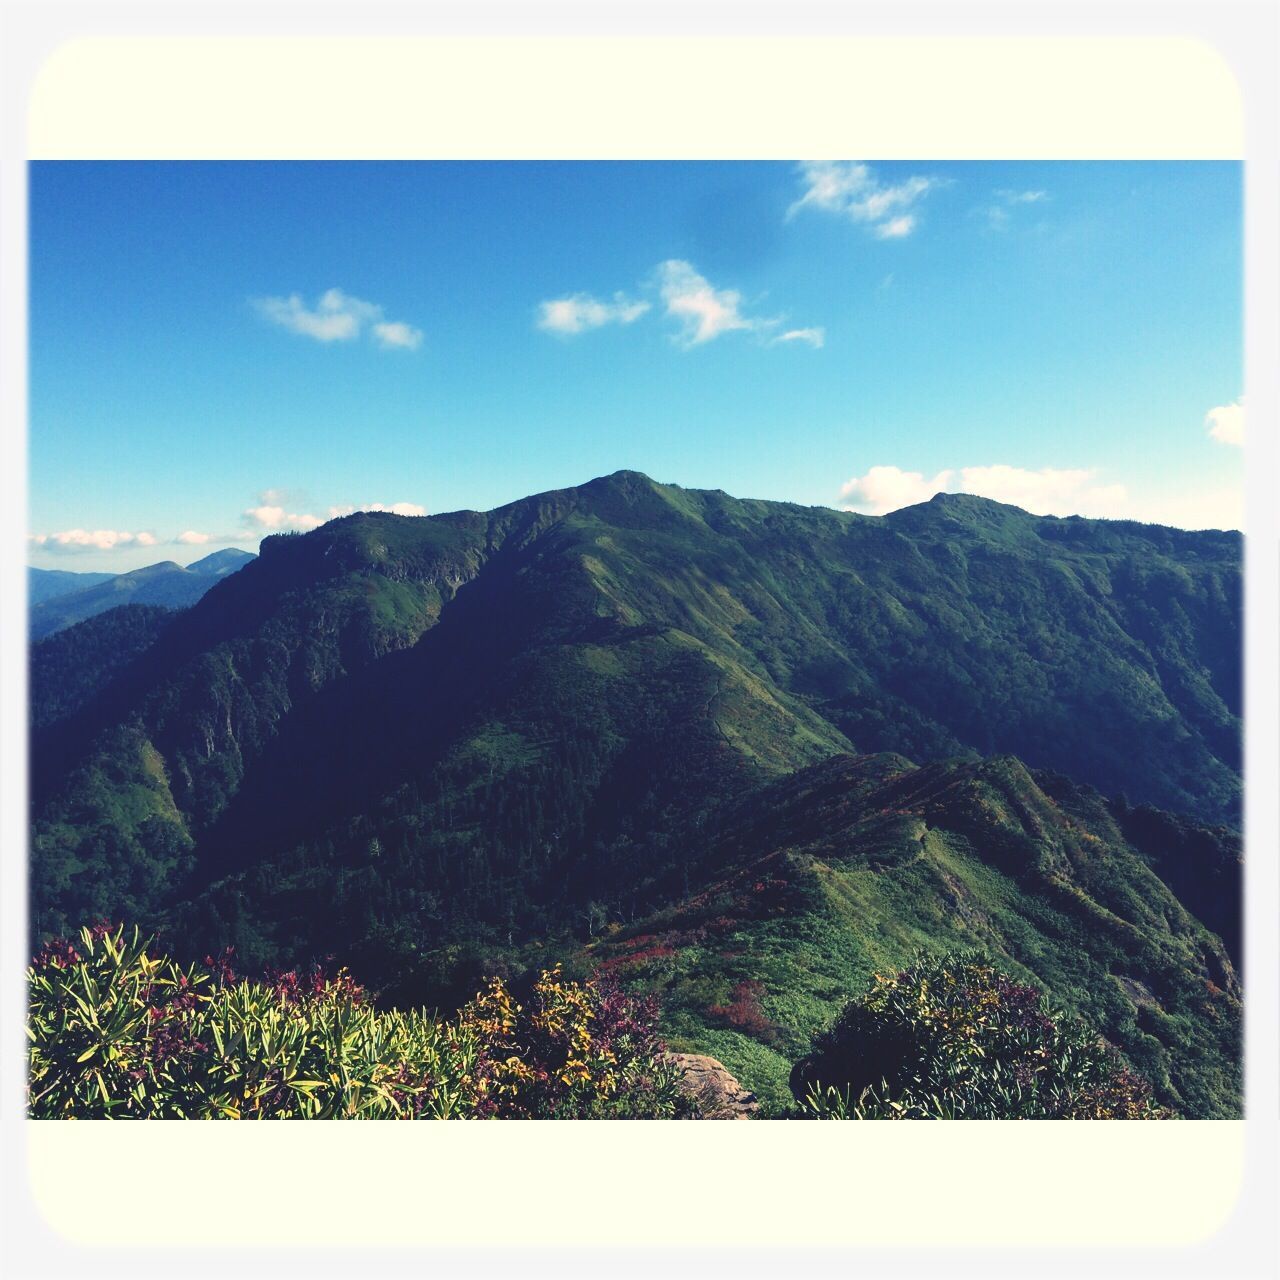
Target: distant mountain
[(422, 744), (220, 563), (46, 584), (166, 584)]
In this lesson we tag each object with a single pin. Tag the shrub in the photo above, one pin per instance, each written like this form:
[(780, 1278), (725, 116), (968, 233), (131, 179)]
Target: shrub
[(575, 1051), (117, 1032), (744, 1012), (950, 1037)]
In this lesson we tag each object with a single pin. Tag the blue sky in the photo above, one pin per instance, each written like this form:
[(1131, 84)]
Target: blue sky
[(222, 350)]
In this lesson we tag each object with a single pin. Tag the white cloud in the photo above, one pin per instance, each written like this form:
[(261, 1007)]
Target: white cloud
[(885, 489), (395, 509), (579, 312), (704, 311), (271, 515), (998, 215), (338, 317), (1220, 508), (266, 516), (275, 519), (1048, 491), (879, 202), (852, 190), (74, 541), (896, 228), (395, 333), (1226, 423), (815, 337), (194, 538)]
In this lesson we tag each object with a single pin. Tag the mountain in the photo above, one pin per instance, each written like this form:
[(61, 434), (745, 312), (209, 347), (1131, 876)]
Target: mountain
[(69, 667), (423, 744), (166, 584), (220, 563), (46, 584), (844, 869)]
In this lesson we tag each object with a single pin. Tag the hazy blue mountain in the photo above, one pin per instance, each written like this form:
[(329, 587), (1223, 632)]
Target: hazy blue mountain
[(221, 563), (46, 584), (167, 584)]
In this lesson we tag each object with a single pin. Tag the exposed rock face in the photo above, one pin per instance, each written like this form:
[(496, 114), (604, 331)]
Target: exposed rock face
[(718, 1094)]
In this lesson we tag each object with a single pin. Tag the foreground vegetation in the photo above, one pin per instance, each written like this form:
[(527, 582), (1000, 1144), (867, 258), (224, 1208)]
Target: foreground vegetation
[(119, 1032), (951, 1038)]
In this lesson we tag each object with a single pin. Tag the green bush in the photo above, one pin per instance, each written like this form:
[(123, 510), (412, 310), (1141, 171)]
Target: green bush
[(116, 1032), (952, 1038)]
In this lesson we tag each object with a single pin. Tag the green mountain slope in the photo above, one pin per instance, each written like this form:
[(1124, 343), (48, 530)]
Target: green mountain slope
[(847, 868), (68, 669)]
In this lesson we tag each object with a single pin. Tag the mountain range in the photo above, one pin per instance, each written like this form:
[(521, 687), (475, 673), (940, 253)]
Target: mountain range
[(45, 584), (59, 599), (741, 752)]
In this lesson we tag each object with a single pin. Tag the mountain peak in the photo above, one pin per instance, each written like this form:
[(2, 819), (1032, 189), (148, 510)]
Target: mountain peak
[(985, 516), (219, 563), (945, 497), (627, 482), (958, 502), (154, 570)]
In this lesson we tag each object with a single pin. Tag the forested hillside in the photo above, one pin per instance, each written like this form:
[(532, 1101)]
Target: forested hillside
[(69, 668)]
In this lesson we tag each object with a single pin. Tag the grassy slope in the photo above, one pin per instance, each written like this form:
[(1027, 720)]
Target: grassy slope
[(853, 879)]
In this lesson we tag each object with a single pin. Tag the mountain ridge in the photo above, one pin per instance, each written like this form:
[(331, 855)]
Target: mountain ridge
[(843, 869), (48, 584)]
